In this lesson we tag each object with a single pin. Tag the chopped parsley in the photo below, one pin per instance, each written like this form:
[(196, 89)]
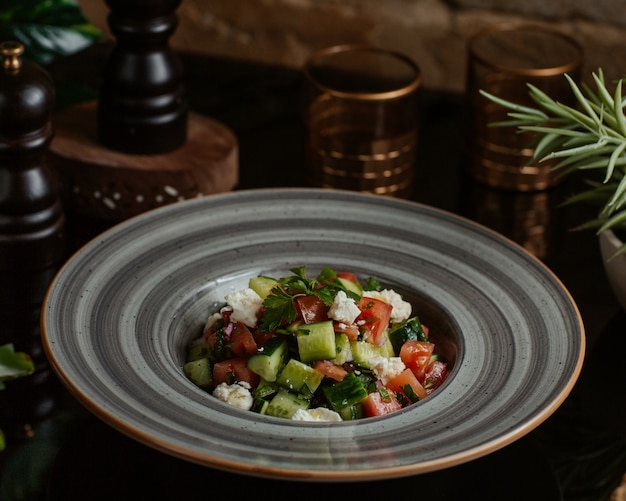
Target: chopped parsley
[(279, 306), (384, 394), (371, 284)]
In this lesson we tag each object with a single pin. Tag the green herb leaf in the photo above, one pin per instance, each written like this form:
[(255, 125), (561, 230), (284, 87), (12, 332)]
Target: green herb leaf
[(279, 309), (279, 305), (371, 284), (13, 364), (384, 394), (410, 393), (327, 275)]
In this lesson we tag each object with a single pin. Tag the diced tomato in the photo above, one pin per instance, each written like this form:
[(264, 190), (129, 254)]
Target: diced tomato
[(226, 313), (416, 356), (375, 405), (346, 275), (330, 370), (234, 370), (312, 309), (262, 337), (376, 314), (243, 343), (435, 375), (404, 379), (211, 338), (218, 343), (351, 330)]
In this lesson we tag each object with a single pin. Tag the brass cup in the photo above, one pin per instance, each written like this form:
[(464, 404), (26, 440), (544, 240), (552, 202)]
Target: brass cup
[(362, 120), (502, 61)]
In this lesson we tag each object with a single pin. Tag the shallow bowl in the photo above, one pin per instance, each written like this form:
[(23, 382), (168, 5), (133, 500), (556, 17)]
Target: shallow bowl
[(119, 314)]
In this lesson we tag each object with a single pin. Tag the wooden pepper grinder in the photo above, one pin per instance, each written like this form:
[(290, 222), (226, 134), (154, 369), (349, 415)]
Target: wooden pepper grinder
[(32, 230), (31, 217), (138, 147), (142, 107)]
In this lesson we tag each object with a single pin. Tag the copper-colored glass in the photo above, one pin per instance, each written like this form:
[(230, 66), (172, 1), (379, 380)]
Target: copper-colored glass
[(502, 61), (361, 120), (529, 218)]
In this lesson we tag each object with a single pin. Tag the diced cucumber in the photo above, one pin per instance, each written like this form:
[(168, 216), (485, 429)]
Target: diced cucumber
[(410, 329), (260, 406), (367, 379), (262, 285), (348, 391), (351, 286), (199, 351), (285, 404), (269, 360), (265, 389), (316, 341), (363, 352), (351, 412), (262, 396), (342, 346), (386, 348), (294, 326), (295, 376), (199, 372)]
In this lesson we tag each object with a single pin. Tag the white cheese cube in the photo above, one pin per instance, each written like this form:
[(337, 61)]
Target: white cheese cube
[(246, 305), (385, 368), (343, 309), (317, 414), (237, 395)]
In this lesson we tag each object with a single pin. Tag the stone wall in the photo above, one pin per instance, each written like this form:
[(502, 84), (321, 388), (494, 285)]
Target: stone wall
[(433, 32)]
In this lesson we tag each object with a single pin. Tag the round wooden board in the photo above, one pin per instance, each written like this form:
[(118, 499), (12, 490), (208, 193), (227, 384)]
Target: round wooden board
[(98, 182)]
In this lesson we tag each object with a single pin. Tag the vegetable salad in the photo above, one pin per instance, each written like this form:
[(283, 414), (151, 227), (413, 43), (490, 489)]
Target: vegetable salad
[(328, 348)]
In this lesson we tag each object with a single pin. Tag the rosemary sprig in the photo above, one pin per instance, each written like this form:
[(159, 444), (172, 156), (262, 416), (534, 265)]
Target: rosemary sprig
[(590, 137)]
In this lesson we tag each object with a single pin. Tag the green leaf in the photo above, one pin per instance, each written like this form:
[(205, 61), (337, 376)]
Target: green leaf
[(588, 196), (326, 275), (603, 95), (279, 309), (619, 193), (613, 222), (553, 131), (613, 161), (300, 273), (572, 152), (514, 106), (590, 137), (582, 100), (618, 109), (48, 28), (372, 284), (279, 305), (13, 365)]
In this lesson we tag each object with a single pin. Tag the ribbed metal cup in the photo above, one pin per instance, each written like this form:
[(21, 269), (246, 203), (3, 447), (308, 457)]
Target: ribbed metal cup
[(362, 120), (503, 61)]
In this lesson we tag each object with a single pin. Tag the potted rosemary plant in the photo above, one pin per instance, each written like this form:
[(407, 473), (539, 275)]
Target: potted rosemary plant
[(592, 138)]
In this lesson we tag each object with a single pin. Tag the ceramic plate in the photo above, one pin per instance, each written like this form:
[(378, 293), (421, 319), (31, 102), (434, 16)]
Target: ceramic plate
[(119, 314)]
